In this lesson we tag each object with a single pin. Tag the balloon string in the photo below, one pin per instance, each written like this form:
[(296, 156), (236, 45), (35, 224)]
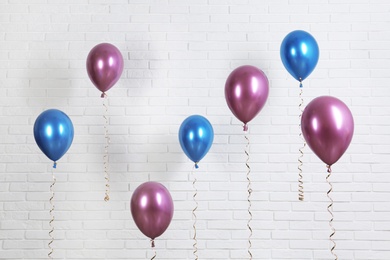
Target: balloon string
[(195, 245), (300, 176), (249, 187), (330, 210), (155, 253), (105, 156), (51, 215)]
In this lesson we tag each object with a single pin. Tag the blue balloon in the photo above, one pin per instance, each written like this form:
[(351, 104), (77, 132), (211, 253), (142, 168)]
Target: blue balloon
[(299, 52), (196, 136), (53, 133)]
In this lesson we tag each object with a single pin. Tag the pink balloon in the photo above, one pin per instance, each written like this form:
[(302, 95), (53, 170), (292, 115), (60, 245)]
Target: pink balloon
[(104, 66), (152, 208), (327, 126), (246, 91)]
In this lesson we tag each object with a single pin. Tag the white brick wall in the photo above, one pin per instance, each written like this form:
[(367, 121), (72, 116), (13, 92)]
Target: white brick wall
[(178, 54)]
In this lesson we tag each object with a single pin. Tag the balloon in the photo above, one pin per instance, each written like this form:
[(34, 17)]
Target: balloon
[(246, 91), (53, 133), (104, 66), (196, 136), (299, 52), (152, 208), (327, 126)]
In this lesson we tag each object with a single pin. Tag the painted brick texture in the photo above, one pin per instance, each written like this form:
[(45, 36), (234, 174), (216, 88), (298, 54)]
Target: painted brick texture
[(177, 56)]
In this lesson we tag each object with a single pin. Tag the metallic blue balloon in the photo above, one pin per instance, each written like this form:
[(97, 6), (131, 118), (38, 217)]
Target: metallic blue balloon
[(299, 52), (53, 133), (196, 136)]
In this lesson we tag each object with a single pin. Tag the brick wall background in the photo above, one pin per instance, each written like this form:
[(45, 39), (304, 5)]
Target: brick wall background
[(178, 54)]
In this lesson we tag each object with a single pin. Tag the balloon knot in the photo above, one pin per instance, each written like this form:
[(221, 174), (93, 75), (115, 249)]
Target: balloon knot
[(196, 166), (103, 95), (55, 165), (152, 242), (245, 127)]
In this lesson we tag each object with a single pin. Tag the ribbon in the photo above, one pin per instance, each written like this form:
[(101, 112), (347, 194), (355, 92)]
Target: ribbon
[(152, 245), (51, 214), (300, 176), (249, 187), (105, 156), (330, 210), (195, 245)]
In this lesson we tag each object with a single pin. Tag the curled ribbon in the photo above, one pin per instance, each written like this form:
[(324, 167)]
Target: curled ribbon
[(300, 176), (195, 245), (330, 210), (105, 156), (249, 187), (51, 214)]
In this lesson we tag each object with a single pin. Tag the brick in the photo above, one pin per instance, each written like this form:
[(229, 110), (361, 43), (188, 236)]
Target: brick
[(177, 56)]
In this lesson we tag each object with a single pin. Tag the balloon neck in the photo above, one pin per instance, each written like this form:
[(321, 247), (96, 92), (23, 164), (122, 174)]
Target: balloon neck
[(329, 168), (55, 165), (196, 165), (245, 127), (152, 243), (103, 95), (300, 83)]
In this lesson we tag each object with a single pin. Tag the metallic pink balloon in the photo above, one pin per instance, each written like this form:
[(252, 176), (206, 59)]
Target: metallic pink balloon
[(327, 126), (246, 91), (152, 208), (104, 66)]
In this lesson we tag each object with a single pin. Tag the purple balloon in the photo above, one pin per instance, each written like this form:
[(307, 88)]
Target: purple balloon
[(246, 91), (104, 66), (152, 208), (327, 126)]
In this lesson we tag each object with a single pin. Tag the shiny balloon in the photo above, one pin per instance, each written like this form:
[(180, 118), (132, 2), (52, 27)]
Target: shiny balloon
[(196, 136), (53, 133), (246, 91), (152, 208), (327, 126), (299, 53), (104, 66)]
